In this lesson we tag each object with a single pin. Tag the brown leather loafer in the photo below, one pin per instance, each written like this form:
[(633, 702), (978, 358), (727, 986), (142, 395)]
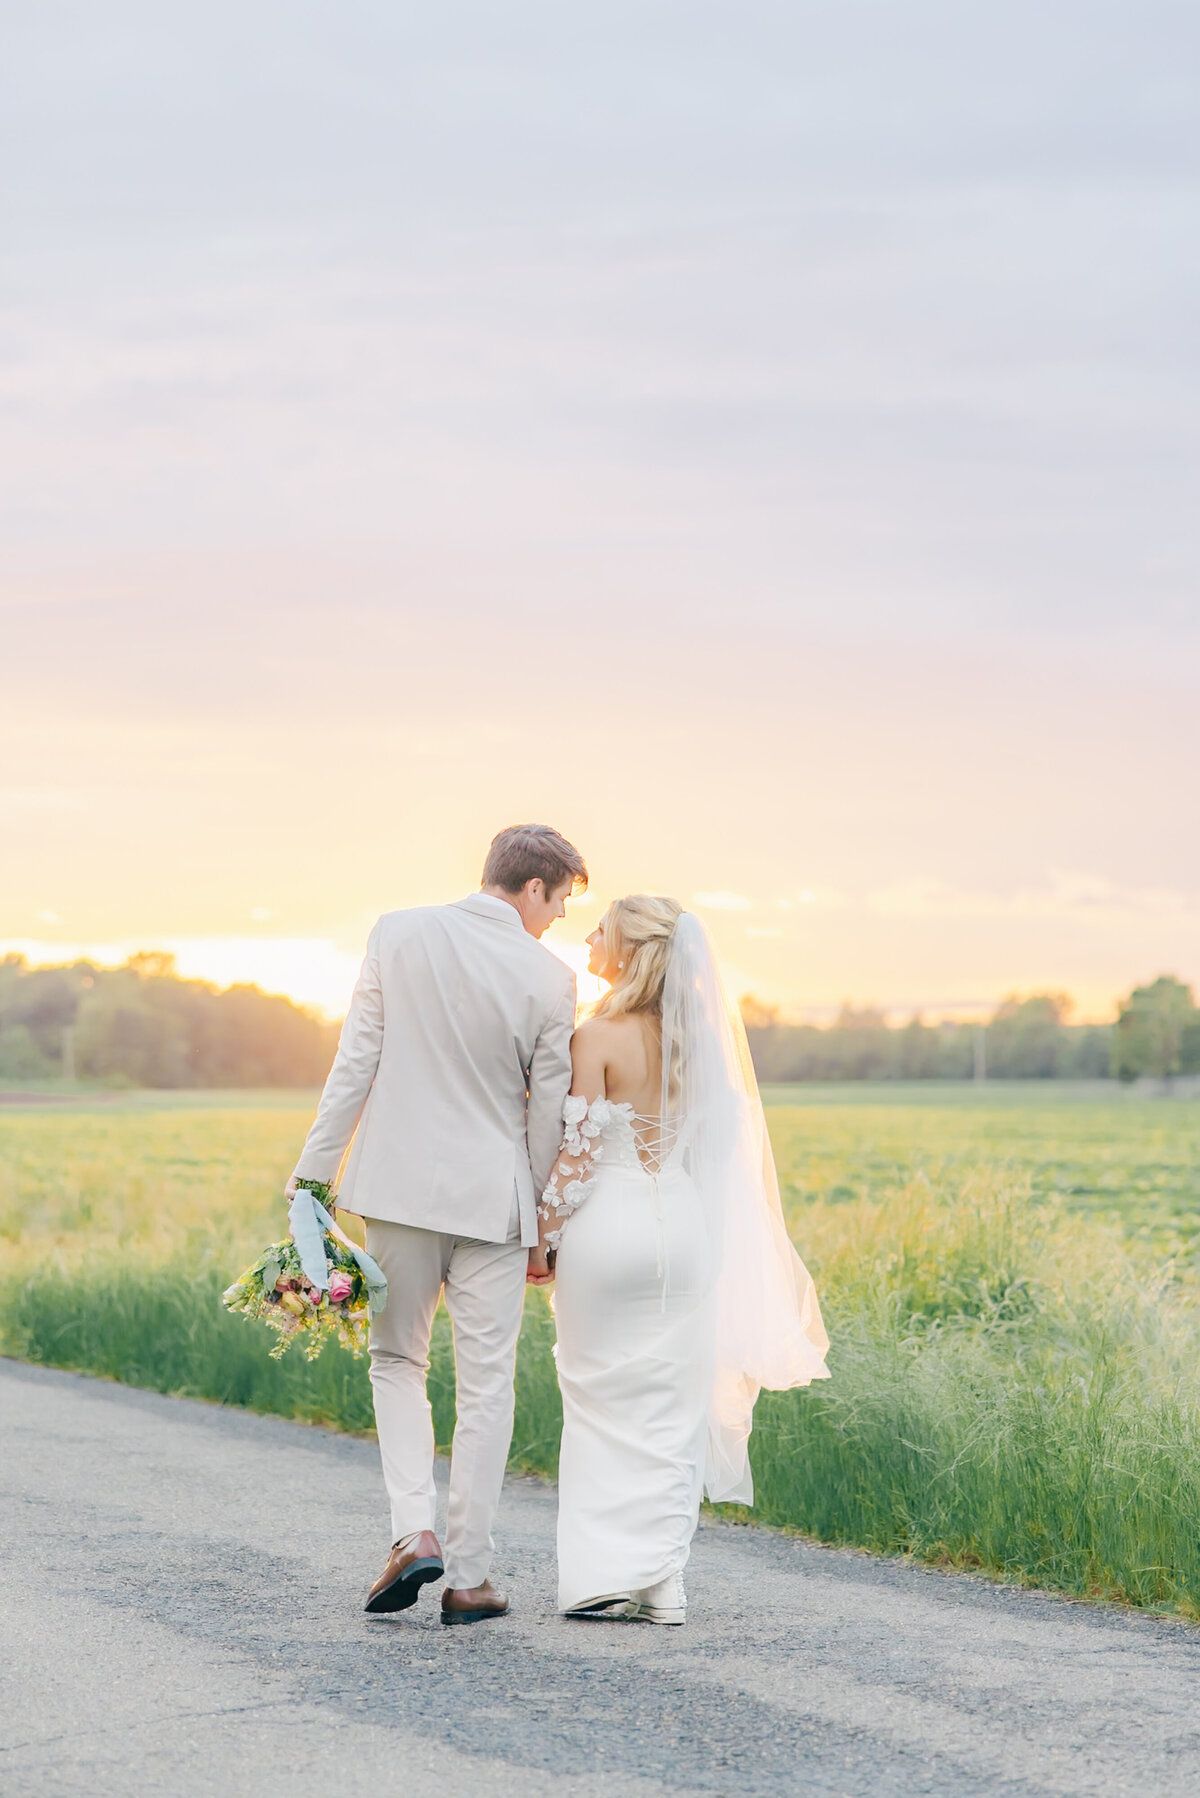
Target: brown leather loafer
[(472, 1605), (408, 1569)]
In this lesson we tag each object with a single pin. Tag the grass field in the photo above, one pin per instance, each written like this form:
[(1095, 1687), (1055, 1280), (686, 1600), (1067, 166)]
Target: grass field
[(1007, 1275)]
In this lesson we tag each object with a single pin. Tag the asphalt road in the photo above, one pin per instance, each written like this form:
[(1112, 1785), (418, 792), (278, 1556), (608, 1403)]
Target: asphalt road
[(181, 1614)]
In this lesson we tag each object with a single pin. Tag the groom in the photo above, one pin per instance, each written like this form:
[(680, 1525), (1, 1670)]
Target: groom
[(453, 1063)]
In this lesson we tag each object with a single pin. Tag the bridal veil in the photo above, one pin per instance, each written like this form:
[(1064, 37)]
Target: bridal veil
[(768, 1321)]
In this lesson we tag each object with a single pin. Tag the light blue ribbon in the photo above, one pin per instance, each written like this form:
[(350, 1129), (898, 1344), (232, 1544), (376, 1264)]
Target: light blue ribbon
[(308, 1221)]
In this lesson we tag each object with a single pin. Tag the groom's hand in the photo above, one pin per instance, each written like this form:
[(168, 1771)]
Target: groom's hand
[(289, 1191), (539, 1271)]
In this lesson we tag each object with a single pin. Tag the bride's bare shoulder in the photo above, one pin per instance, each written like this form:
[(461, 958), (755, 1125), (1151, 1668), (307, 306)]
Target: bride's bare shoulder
[(593, 1033), (603, 1029), (613, 1042), (591, 1054), (605, 1036)]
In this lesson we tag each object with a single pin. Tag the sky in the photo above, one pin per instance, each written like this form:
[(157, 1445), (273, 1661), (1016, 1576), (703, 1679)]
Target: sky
[(761, 441)]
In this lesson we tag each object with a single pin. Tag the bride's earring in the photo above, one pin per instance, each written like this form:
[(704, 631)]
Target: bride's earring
[(620, 965)]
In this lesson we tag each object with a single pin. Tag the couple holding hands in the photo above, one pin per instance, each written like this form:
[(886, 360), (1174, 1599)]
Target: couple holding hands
[(496, 1144)]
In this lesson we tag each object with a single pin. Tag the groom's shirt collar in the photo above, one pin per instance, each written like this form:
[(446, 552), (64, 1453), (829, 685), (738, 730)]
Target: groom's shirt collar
[(486, 905)]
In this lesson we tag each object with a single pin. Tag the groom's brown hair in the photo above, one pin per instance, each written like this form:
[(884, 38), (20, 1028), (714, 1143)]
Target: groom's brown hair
[(526, 852)]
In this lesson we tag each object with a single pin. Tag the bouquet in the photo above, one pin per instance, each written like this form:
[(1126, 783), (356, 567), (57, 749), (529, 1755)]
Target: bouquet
[(314, 1285)]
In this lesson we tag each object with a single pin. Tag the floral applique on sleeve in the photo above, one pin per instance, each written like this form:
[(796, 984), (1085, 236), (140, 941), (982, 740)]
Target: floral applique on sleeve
[(584, 1124)]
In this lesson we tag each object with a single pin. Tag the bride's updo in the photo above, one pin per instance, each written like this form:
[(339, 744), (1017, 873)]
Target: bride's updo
[(637, 931)]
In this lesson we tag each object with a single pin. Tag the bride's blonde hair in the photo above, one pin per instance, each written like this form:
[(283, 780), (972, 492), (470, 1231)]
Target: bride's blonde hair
[(637, 931)]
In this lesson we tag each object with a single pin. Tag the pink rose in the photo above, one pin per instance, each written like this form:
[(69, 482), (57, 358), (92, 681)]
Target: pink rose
[(341, 1285)]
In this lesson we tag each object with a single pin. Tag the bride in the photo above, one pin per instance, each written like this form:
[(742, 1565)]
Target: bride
[(678, 1293)]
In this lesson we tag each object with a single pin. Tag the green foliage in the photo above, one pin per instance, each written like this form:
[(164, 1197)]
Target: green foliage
[(20, 1057), (142, 1181), (1014, 1361), (142, 1025), (1025, 1039), (1118, 1158), (39, 1002), (1069, 1476), (275, 1289), (537, 1421), (162, 1326), (1157, 1032)]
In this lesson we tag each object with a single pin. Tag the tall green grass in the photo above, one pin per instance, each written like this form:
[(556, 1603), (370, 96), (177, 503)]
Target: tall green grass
[(1015, 1374), (164, 1327), (1011, 1392)]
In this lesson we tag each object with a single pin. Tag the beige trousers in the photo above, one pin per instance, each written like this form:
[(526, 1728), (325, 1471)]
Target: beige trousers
[(484, 1284)]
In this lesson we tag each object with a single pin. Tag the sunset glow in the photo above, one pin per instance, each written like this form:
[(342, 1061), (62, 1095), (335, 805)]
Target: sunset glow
[(794, 514)]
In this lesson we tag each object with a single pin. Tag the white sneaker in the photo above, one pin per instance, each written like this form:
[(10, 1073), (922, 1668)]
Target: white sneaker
[(664, 1603), (615, 1605)]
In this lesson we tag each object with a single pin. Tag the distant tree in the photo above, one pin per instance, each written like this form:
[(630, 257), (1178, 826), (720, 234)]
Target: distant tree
[(44, 1000), (861, 1045), (956, 1051), (132, 1028), (1088, 1052), (1154, 1026), (790, 1052), (1026, 1039), (36, 1005), (20, 1057), (142, 1025), (917, 1051), (153, 964), (864, 1017), (756, 1015), (772, 1043), (11, 969)]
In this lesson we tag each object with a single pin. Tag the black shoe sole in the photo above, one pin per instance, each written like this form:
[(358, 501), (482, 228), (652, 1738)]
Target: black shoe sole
[(471, 1616), (405, 1591)]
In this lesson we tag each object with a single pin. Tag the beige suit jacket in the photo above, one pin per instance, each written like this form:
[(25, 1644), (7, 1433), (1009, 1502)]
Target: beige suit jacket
[(450, 1075)]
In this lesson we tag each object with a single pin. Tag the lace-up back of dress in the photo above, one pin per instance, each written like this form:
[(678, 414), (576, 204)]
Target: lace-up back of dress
[(613, 1131), (603, 1134), (653, 1139)]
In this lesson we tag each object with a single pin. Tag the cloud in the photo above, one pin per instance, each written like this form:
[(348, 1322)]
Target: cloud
[(721, 901), (1086, 898), (38, 799)]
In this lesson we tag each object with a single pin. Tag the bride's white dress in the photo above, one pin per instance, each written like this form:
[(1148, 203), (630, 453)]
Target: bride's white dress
[(679, 1294), (635, 1313)]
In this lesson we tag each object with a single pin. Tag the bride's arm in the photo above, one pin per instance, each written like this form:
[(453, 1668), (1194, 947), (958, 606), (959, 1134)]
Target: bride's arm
[(574, 1167)]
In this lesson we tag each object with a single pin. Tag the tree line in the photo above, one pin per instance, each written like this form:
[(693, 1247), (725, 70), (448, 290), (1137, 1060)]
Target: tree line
[(142, 1025), (1157, 1033)]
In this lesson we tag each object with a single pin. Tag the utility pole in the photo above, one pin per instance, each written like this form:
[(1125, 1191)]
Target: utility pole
[(981, 1052)]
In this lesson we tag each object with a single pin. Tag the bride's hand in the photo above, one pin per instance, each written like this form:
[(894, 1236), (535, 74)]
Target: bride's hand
[(539, 1272)]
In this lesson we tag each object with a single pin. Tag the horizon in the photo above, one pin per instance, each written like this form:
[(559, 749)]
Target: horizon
[(788, 495), (325, 978)]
